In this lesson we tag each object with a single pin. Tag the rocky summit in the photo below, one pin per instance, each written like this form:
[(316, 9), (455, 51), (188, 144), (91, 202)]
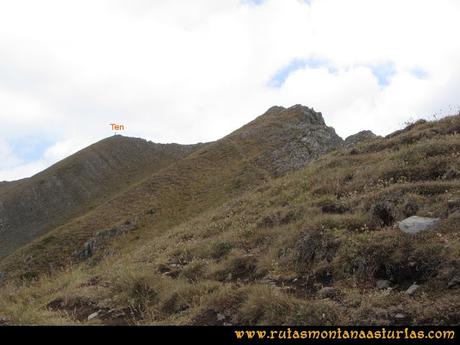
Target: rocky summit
[(294, 136), (280, 222)]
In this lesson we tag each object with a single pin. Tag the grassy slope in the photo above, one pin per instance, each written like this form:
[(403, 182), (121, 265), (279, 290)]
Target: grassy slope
[(71, 187), (205, 178), (261, 257)]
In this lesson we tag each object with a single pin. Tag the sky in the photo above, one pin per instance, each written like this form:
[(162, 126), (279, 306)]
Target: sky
[(193, 71)]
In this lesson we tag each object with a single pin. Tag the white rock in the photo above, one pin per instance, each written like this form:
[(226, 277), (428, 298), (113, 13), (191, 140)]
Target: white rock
[(94, 315), (382, 284), (415, 224), (412, 289)]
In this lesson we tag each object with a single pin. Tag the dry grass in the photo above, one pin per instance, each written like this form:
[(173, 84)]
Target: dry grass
[(261, 256)]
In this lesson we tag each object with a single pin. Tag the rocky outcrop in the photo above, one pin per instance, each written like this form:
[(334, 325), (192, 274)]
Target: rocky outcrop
[(360, 137), (314, 245), (101, 238), (84, 309), (294, 137)]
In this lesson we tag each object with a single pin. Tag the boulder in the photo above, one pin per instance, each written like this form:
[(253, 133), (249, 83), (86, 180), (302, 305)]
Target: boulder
[(383, 284), (412, 289), (94, 315), (454, 283), (401, 319), (327, 292), (453, 205), (415, 224)]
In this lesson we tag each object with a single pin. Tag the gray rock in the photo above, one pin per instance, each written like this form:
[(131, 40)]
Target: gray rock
[(453, 205), (383, 284), (94, 315), (415, 224), (412, 289), (88, 250), (298, 135), (359, 137), (2, 276), (334, 207), (400, 316), (327, 292), (454, 283), (314, 246), (102, 237), (451, 174)]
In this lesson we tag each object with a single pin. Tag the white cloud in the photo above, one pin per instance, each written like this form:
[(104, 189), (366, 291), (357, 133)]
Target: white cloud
[(8, 158), (23, 170), (189, 71)]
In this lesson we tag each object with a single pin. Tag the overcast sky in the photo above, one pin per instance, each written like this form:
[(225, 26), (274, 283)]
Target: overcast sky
[(194, 70)]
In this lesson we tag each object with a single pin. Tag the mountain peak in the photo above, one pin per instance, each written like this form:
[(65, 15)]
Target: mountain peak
[(296, 114), (32, 206), (306, 114), (292, 136), (362, 136)]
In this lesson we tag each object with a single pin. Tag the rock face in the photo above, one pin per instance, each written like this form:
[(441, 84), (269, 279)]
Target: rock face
[(293, 136), (415, 224), (359, 137), (454, 283), (101, 238)]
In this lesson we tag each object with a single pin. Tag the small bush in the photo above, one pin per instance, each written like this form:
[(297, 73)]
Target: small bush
[(314, 246), (220, 249), (239, 268), (266, 306), (194, 271), (389, 255)]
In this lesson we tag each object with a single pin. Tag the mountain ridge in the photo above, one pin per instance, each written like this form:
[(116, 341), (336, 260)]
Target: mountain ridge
[(220, 237), (31, 206), (241, 159)]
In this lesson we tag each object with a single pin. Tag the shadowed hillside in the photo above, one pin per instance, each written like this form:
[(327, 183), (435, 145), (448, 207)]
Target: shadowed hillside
[(32, 206), (203, 179), (259, 229)]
